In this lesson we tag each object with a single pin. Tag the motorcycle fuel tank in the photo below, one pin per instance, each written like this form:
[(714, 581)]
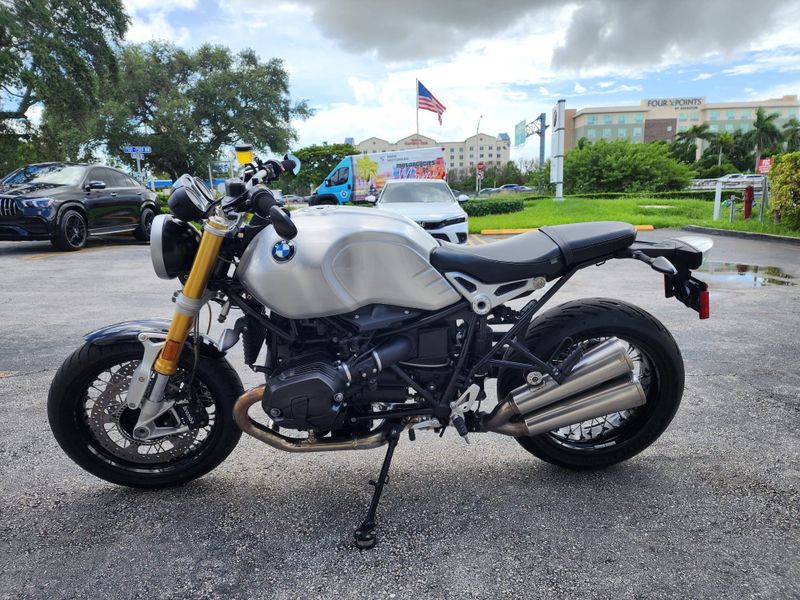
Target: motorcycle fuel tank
[(343, 258)]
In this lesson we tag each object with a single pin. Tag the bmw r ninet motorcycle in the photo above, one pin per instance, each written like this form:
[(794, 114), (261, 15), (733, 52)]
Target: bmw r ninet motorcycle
[(370, 327)]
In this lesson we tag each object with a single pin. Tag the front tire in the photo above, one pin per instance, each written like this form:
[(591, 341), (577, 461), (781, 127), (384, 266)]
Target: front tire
[(603, 442), (92, 424), (72, 231)]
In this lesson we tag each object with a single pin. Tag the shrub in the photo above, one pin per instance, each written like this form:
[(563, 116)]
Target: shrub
[(785, 198), (481, 208), (622, 165)]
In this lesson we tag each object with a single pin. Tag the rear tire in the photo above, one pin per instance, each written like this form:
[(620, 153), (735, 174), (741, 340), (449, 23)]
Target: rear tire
[(74, 412), (72, 231), (586, 320), (142, 232)]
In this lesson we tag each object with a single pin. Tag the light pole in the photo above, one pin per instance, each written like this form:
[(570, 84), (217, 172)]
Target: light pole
[(478, 128)]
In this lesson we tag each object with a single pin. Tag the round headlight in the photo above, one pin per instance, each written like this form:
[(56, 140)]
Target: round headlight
[(173, 245)]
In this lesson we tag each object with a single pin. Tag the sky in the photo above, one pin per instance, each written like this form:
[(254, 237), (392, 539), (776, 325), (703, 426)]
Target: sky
[(356, 61)]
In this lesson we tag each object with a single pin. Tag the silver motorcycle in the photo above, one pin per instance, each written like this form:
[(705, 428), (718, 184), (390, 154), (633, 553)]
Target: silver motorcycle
[(368, 328)]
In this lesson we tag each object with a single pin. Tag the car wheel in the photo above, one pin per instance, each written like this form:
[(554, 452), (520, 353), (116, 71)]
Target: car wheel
[(72, 231), (142, 232)]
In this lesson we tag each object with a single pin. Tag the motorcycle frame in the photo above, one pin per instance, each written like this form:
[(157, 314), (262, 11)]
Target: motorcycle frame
[(440, 407)]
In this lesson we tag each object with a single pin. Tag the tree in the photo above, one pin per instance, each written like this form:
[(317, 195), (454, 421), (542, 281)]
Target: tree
[(317, 163), (791, 134), (765, 133), (187, 106), (55, 53), (697, 134), (623, 166), (721, 143)]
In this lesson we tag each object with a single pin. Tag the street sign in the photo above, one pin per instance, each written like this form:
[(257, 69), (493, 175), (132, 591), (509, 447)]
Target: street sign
[(480, 166), (764, 165), (479, 175), (520, 133), (137, 149), (137, 155)]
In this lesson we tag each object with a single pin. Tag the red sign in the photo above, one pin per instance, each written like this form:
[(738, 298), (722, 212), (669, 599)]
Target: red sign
[(480, 166), (764, 165)]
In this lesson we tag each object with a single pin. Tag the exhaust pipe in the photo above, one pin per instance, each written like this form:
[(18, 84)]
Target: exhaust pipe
[(550, 405), (310, 444)]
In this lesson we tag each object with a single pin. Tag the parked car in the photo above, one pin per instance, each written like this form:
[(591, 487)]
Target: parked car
[(509, 188), (731, 177), (294, 199), (430, 203), (68, 202), (487, 191)]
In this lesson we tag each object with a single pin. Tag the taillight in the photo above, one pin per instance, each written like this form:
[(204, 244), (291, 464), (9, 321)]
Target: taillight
[(704, 305)]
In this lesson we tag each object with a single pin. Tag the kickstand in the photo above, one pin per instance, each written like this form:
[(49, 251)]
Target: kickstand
[(365, 534)]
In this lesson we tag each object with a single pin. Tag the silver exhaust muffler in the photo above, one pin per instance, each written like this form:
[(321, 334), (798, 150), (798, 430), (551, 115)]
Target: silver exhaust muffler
[(601, 382)]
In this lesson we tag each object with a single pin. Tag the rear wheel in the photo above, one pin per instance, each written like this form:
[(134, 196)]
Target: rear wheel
[(658, 365), (142, 232), (90, 419), (72, 231)]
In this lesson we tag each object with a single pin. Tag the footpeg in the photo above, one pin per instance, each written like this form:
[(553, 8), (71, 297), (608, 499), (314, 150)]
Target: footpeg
[(466, 403)]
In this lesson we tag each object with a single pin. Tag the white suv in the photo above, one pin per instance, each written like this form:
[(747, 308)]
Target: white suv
[(429, 202)]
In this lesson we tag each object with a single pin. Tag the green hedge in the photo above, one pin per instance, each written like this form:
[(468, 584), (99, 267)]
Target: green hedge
[(678, 195), (481, 208)]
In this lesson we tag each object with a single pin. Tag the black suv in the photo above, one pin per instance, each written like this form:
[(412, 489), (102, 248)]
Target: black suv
[(67, 202)]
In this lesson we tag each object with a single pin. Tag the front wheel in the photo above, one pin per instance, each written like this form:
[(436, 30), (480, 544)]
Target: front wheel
[(90, 419), (142, 232), (72, 231), (658, 365)]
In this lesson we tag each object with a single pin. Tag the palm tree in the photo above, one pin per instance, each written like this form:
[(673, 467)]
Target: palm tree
[(791, 134), (722, 143), (696, 134), (764, 133)]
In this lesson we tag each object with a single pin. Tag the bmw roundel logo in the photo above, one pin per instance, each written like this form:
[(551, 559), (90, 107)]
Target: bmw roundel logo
[(282, 251)]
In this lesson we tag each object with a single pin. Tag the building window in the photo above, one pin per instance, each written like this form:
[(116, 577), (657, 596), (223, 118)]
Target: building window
[(461, 163), (683, 116), (471, 155), (637, 132), (622, 132), (791, 113), (481, 156), (638, 118), (591, 119), (730, 114), (591, 134), (471, 148), (714, 115), (461, 151), (669, 128), (745, 114), (682, 128), (606, 119), (695, 116), (712, 128), (490, 155), (622, 118), (481, 147), (607, 132), (729, 127)]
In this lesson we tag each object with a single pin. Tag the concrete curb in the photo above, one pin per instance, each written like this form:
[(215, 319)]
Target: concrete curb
[(515, 231), (745, 235)]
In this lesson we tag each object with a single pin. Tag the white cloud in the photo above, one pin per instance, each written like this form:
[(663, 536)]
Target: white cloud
[(150, 20), (579, 89), (703, 76), (605, 84)]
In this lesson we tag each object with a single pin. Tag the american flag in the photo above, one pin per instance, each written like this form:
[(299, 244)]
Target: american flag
[(427, 101)]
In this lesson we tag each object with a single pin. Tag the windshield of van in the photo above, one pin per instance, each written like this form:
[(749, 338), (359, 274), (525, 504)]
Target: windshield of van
[(415, 191)]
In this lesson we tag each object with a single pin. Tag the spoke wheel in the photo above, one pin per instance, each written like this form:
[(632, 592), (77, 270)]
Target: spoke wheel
[(111, 422), (72, 231), (615, 427), (92, 423)]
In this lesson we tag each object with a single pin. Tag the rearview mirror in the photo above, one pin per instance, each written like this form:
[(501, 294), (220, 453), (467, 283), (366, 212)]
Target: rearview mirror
[(96, 185), (371, 199), (296, 160)]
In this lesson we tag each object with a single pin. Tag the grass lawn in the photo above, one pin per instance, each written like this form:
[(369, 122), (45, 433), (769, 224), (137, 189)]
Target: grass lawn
[(637, 211)]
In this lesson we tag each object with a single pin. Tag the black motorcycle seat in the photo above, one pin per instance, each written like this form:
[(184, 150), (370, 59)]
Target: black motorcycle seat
[(549, 252)]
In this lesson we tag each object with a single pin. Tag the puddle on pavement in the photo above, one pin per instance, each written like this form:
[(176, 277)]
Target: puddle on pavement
[(746, 275)]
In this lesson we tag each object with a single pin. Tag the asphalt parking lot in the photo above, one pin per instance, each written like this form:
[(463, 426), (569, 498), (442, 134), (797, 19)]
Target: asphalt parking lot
[(712, 510)]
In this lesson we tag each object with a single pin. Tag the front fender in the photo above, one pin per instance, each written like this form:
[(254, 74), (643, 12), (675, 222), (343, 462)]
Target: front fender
[(130, 330)]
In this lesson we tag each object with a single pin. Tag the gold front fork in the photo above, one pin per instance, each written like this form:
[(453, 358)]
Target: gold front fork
[(190, 300)]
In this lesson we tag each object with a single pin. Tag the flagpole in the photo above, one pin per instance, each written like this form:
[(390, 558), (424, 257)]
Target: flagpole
[(417, 104)]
